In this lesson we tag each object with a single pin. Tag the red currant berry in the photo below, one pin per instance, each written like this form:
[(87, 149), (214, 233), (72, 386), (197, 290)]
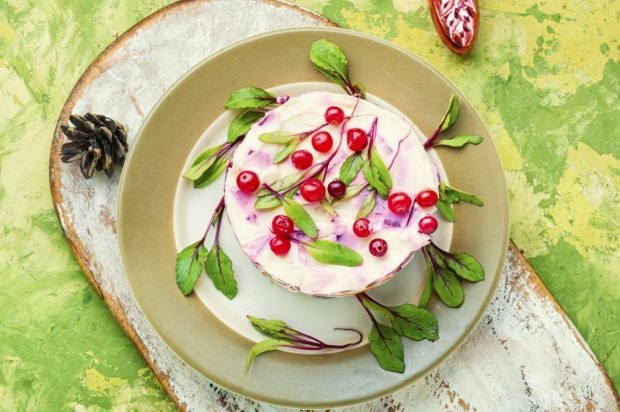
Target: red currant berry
[(322, 142), (280, 245), (427, 225), (336, 188), (302, 159), (357, 139), (427, 198), (362, 227), (282, 225), (312, 190), (399, 203), (247, 181), (334, 115), (378, 247)]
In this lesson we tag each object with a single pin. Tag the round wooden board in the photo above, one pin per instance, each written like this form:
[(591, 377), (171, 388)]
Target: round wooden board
[(125, 82)]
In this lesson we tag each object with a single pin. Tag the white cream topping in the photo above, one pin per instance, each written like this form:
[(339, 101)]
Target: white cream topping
[(411, 171)]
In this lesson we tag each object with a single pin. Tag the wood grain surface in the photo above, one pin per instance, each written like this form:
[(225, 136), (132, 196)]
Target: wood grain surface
[(525, 354)]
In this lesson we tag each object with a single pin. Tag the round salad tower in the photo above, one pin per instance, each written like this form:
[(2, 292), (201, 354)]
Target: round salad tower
[(331, 195)]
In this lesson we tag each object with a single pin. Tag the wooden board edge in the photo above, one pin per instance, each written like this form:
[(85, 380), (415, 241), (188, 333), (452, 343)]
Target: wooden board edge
[(541, 290)]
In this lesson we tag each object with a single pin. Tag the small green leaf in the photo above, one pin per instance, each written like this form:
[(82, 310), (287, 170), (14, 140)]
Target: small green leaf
[(250, 97), (267, 202), (328, 207), (449, 196), (428, 283), (332, 253), (368, 205), (202, 163), (352, 191), (452, 193), (371, 175), (459, 141), (188, 267), (288, 149), (328, 59), (451, 114), (350, 167), (446, 210), (214, 172), (414, 322), (374, 306), (387, 347), (349, 193), (465, 266), (448, 287), (282, 184), (242, 124), (268, 345), (300, 217), (278, 137), (219, 269), (379, 168), (272, 327)]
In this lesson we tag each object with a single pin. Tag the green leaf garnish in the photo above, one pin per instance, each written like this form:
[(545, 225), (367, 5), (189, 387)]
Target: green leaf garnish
[(328, 207), (449, 195), (242, 124), (428, 283), (330, 61), (448, 287), (459, 141), (377, 175), (387, 347), (219, 269), (465, 266), (350, 167), (449, 118), (286, 151), (452, 193), (287, 336), (414, 322), (300, 217), (188, 267), (266, 200), (351, 192), (214, 172), (250, 97), (268, 345), (379, 168), (332, 253), (451, 114), (368, 205), (272, 327), (277, 137), (446, 210), (202, 163)]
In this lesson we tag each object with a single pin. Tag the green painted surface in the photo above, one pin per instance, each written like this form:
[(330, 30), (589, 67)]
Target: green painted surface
[(544, 77)]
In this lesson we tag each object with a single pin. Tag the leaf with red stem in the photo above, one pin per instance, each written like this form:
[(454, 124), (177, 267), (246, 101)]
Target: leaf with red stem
[(268, 345), (387, 347)]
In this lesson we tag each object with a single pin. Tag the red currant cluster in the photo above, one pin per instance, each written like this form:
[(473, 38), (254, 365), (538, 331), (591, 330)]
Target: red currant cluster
[(313, 190), (281, 226), (400, 203)]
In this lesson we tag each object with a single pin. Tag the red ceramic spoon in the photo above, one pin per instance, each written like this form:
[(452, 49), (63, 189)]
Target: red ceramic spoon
[(456, 22)]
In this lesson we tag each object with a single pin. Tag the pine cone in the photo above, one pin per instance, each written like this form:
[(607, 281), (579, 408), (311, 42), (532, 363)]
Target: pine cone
[(97, 141)]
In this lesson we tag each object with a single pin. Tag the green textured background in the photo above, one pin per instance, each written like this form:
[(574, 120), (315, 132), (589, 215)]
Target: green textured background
[(545, 77)]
